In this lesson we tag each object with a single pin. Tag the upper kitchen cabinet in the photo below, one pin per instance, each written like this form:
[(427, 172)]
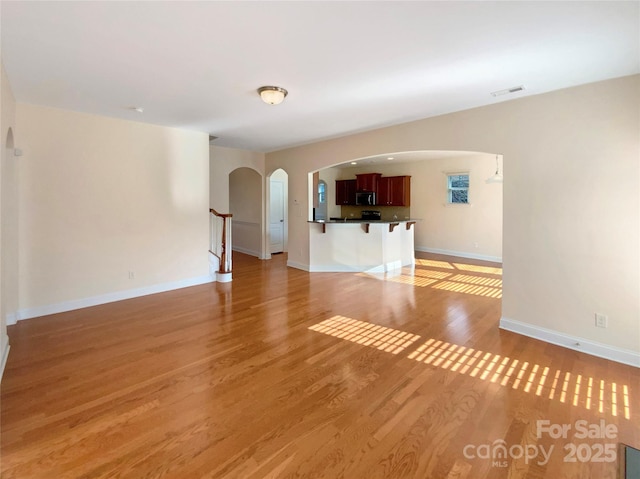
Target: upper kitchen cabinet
[(345, 192), (394, 191), (368, 182)]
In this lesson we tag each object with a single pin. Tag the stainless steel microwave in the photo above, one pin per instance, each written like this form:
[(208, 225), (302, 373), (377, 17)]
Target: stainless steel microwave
[(367, 198)]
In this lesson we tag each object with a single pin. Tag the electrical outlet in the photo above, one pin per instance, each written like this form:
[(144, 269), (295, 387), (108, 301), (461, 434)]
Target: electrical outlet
[(476, 245), (601, 320), (132, 275)]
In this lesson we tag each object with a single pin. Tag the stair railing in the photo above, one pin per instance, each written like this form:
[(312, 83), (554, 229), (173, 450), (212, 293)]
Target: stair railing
[(220, 239)]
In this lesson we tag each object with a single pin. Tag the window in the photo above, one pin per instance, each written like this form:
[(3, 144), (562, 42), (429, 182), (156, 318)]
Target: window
[(458, 188), (322, 192)]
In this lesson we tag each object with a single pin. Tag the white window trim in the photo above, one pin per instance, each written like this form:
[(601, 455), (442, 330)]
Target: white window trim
[(457, 205), (453, 173)]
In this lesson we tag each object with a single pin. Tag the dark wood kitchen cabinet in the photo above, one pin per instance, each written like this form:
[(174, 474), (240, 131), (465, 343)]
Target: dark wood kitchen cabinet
[(394, 191), (367, 182), (345, 192)]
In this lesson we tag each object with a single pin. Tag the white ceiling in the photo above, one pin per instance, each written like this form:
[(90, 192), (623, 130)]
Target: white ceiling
[(348, 66)]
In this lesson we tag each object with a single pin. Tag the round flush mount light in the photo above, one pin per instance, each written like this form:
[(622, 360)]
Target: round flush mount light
[(354, 163), (138, 109), (273, 95), (390, 158)]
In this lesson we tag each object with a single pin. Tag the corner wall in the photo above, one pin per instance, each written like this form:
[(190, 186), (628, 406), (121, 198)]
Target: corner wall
[(571, 203), (109, 209), (8, 216)]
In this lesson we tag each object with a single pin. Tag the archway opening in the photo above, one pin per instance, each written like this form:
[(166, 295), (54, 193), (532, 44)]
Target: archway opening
[(452, 221), (245, 200)]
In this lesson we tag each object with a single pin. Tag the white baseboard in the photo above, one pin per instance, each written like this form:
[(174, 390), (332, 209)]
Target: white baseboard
[(341, 268), (250, 252), (293, 264), (224, 277), (5, 354), (11, 318), (462, 254), (334, 268), (111, 297), (624, 356)]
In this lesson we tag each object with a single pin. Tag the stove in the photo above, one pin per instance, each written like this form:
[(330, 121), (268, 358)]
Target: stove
[(370, 215)]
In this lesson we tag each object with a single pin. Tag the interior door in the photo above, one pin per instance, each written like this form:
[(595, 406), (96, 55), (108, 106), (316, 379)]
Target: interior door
[(276, 217)]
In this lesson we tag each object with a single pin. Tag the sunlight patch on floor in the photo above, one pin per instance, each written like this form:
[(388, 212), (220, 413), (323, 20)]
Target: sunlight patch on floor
[(469, 289), (464, 283), (428, 273), (385, 339), (434, 264), (543, 381), (577, 390), (465, 278), (478, 269)]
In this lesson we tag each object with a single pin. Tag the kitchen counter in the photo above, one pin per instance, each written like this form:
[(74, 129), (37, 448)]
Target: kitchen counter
[(361, 245), (358, 220), (349, 221)]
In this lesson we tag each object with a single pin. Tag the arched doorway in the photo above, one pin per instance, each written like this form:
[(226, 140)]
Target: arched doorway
[(245, 204)]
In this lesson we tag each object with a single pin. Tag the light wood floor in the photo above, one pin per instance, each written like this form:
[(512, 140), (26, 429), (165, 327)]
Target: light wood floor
[(286, 374)]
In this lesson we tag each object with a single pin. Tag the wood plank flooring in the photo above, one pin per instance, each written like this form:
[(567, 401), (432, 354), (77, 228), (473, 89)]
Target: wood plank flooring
[(286, 374)]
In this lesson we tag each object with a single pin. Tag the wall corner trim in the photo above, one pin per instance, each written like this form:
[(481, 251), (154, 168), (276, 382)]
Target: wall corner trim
[(5, 356), (111, 297), (624, 356)]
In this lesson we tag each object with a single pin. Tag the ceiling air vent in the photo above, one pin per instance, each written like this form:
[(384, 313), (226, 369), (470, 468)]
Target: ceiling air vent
[(513, 89)]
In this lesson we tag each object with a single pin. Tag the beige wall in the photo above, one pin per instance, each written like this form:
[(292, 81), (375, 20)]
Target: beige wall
[(571, 209), (473, 230), (9, 214), (222, 161), (100, 198)]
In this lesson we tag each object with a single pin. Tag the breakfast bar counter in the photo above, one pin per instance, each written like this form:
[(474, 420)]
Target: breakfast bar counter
[(361, 245)]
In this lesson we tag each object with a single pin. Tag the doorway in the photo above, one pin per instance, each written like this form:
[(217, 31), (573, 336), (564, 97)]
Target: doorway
[(278, 212), (245, 199)]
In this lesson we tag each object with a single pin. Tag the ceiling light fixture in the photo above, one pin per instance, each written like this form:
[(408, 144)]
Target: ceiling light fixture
[(354, 163), (391, 158), (273, 95), (497, 177)]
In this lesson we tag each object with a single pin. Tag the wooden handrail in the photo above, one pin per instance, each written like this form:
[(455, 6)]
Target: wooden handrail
[(223, 244), (227, 215)]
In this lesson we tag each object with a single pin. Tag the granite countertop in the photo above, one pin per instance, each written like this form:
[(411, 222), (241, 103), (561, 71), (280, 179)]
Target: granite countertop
[(351, 221)]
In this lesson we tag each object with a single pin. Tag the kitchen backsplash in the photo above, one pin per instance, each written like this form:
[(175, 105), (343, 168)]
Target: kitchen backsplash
[(387, 212)]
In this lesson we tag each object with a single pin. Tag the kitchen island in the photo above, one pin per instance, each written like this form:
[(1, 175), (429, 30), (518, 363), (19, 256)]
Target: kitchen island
[(360, 245)]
